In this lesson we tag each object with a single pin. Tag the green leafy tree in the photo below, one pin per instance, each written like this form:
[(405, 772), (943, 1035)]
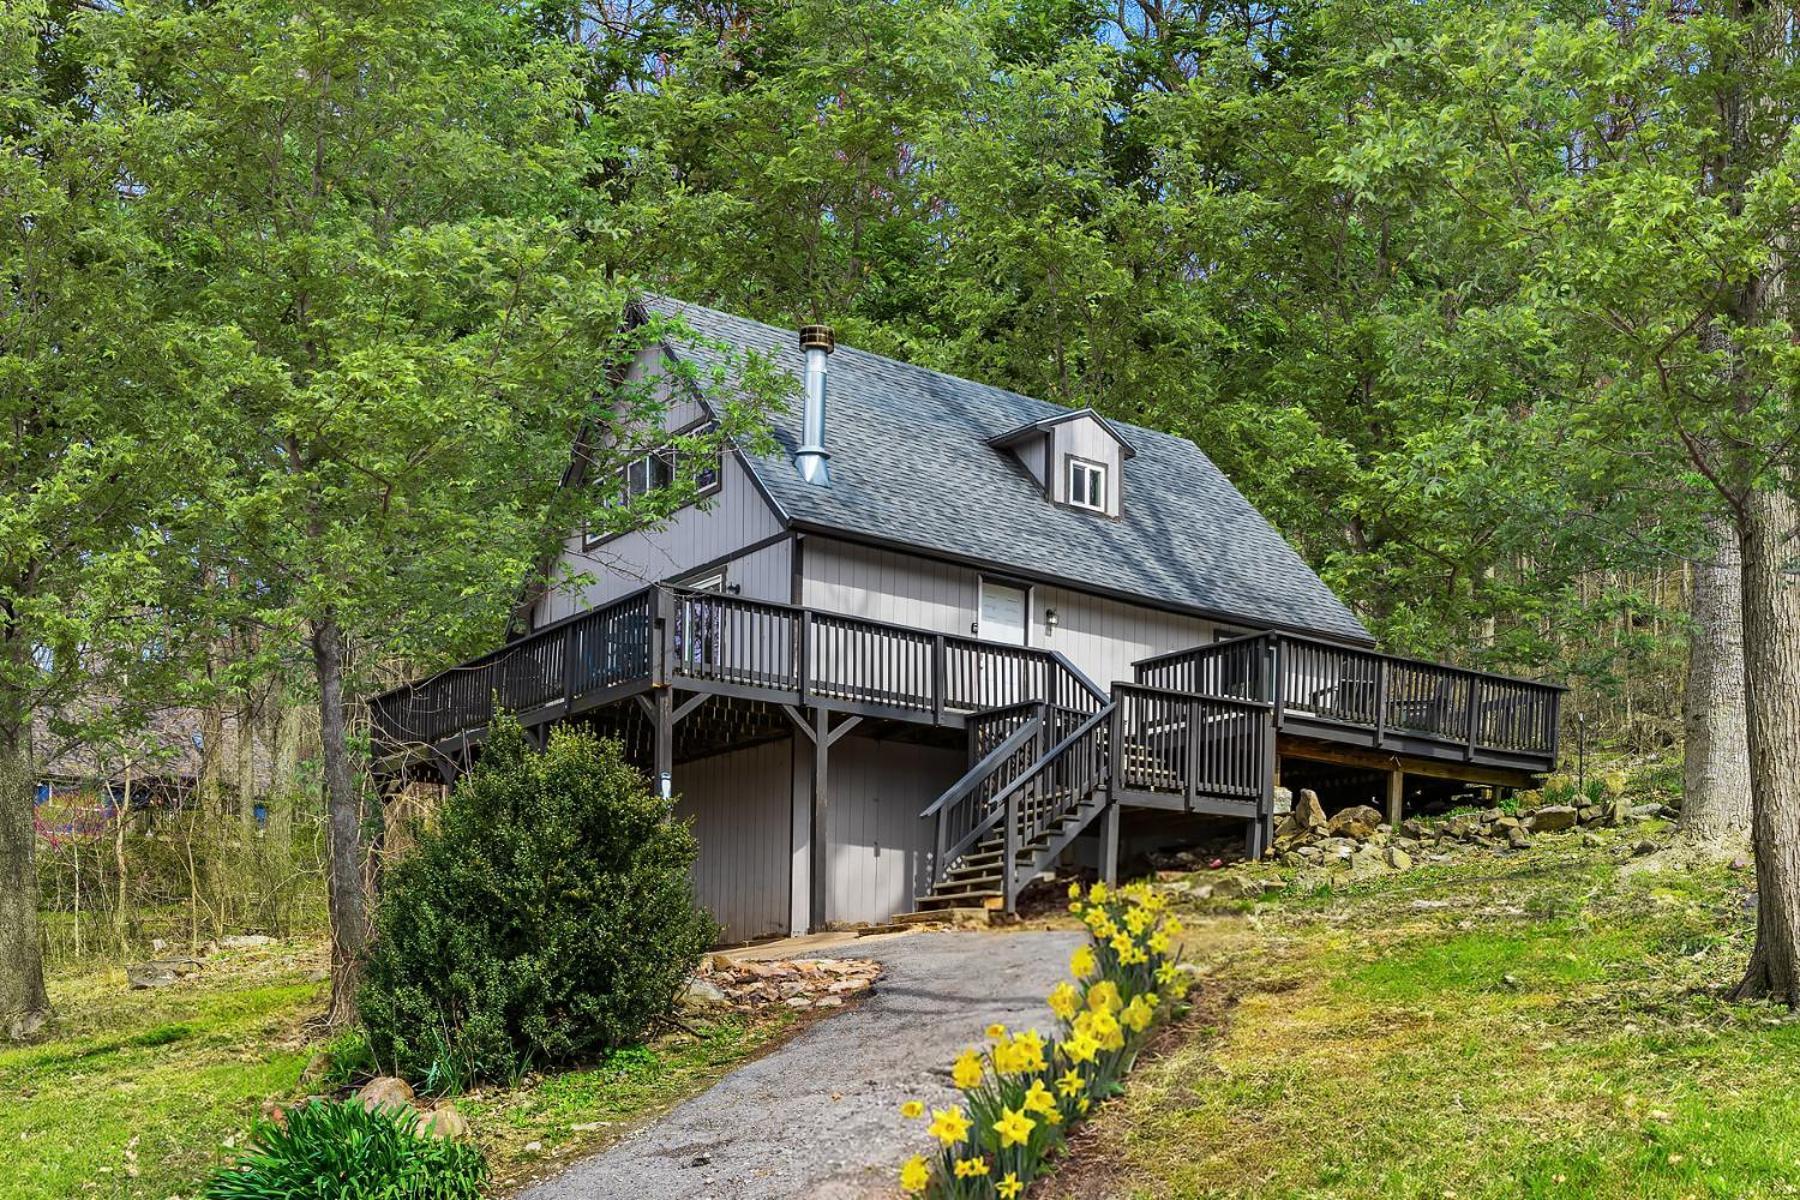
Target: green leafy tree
[(1644, 166), (391, 329), (95, 571)]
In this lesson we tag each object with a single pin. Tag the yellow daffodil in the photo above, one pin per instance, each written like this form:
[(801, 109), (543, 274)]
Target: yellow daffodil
[(1105, 995), (1030, 1049), (948, 1125), (1158, 943), (1098, 893), (966, 1072), (915, 1175), (1132, 955), (971, 1168), (1081, 1106), (1122, 945), (1014, 1128), (912, 1109), (1173, 927), (1065, 1002), (1137, 1015), (996, 1031), (1008, 1058), (1010, 1187), (1082, 964), (1081, 1048), (1039, 1100), (1071, 1083), (1139, 919), (1075, 891)]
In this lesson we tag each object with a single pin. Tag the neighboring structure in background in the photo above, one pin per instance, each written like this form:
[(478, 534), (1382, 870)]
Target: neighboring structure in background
[(83, 786), (948, 635)]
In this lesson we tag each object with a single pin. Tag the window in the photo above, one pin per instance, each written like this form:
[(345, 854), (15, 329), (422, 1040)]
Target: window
[(663, 466), (1087, 485)]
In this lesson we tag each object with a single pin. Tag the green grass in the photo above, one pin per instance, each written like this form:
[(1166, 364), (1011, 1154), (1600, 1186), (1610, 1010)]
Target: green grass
[(1541, 1025), (139, 1094)]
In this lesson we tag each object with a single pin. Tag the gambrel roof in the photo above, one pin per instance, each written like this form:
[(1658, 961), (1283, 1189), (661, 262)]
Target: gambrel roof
[(913, 466)]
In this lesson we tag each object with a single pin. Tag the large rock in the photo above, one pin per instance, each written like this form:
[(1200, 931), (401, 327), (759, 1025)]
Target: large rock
[(1398, 859), (444, 1121), (1517, 838), (1235, 887), (385, 1091), (1359, 822), (1551, 818), (1282, 801), (1308, 812), (161, 972), (702, 993)]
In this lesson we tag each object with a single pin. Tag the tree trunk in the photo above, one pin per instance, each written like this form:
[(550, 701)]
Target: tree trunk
[(24, 1005), (1716, 760), (1768, 525), (345, 898)]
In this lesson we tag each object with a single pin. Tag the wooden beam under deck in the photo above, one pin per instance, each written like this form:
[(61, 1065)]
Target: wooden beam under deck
[(1289, 746)]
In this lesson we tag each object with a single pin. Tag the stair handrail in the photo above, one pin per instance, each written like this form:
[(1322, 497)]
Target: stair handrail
[(1006, 801), (959, 791), (991, 759), (1055, 752)]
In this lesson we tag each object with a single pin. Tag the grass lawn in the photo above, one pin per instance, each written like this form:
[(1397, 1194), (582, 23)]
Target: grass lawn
[(141, 1093), (1534, 1025)]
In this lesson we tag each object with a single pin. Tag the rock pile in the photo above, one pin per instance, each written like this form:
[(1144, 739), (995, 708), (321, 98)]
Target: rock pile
[(1359, 839), (440, 1119), (804, 983)]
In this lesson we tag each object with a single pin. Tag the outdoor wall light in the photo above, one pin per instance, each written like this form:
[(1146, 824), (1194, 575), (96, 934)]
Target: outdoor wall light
[(1049, 621)]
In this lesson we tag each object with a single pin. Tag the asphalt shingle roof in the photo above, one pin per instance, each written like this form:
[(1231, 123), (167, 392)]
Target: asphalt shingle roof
[(911, 465)]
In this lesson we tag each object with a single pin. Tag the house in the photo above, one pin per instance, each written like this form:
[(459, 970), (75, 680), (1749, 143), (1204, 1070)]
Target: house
[(947, 635)]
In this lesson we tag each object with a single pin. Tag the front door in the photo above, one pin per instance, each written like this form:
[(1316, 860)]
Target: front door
[(1002, 613)]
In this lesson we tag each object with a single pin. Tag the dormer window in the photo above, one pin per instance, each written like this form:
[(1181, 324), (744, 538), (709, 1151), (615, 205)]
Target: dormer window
[(1076, 456), (1087, 485)]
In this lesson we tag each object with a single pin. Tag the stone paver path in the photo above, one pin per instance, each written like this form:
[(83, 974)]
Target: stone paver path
[(820, 1116)]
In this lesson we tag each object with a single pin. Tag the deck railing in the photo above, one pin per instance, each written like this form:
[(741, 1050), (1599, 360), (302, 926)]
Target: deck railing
[(1383, 694), (724, 643), (1182, 744)]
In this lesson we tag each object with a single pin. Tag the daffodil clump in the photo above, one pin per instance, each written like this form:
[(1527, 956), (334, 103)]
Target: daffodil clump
[(1021, 1092)]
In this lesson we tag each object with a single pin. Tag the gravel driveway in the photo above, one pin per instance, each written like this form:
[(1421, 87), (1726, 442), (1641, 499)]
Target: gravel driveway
[(820, 1116)]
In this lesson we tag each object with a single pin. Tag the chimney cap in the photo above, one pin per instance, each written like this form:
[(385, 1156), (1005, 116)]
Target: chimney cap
[(817, 337)]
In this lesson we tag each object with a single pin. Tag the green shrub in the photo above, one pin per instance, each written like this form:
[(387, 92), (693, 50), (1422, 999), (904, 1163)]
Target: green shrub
[(547, 918), (335, 1150)]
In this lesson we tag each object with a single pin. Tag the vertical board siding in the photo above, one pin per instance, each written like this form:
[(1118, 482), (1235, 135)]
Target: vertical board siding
[(880, 848), (1085, 438), (1102, 637), (739, 804), (733, 518)]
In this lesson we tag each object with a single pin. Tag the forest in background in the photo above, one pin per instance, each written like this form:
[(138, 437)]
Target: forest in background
[(309, 301)]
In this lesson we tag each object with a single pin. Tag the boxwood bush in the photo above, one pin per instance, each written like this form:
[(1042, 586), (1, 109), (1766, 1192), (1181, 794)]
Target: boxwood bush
[(337, 1150), (548, 916)]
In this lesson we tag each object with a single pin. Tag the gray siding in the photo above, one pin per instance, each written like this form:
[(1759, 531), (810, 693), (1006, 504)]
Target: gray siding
[(739, 804), (1084, 437), (1100, 636), (879, 846), (735, 517)]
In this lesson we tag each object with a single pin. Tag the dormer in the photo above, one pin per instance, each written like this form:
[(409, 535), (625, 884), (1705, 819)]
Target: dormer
[(1077, 457)]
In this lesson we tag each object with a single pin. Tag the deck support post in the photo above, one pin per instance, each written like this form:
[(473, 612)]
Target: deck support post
[(821, 853), (1396, 796), (665, 742), (1109, 844)]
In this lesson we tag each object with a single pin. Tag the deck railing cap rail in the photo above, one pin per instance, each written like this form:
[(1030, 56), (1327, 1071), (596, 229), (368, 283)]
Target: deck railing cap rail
[(1173, 694), (1206, 648), (1474, 672), (500, 653)]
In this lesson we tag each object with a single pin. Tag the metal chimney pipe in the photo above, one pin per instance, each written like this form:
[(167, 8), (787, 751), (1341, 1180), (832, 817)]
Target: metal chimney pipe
[(816, 341)]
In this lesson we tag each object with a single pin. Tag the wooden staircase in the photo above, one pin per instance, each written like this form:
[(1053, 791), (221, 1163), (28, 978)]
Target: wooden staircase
[(1015, 811)]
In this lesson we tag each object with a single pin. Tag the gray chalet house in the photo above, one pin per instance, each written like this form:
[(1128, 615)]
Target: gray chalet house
[(948, 636)]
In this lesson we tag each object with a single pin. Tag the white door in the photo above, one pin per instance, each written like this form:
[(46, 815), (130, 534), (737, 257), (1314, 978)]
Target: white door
[(1002, 613)]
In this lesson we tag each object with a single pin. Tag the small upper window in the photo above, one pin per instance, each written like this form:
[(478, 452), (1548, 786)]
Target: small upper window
[(1087, 485)]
